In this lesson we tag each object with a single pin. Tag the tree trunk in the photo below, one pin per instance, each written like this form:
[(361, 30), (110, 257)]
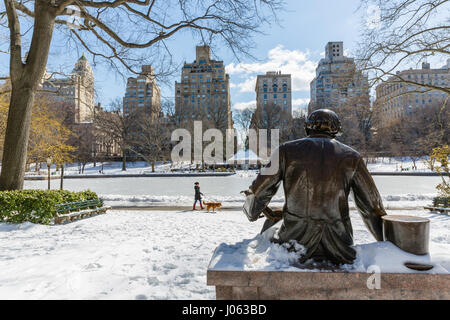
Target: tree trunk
[(62, 177), (25, 79), (153, 165), (124, 161), (16, 139)]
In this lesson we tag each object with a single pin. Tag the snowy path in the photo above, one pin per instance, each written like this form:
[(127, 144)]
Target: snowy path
[(133, 254), (124, 255)]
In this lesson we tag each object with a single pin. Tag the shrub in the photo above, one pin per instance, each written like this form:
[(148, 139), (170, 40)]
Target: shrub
[(440, 156), (36, 206)]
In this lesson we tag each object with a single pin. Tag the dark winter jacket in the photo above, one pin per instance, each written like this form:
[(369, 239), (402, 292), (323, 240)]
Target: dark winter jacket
[(198, 194), (318, 173)]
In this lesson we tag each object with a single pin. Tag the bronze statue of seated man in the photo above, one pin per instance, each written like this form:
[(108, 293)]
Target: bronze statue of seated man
[(318, 173)]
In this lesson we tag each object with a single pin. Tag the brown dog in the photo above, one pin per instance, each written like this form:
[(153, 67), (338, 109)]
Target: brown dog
[(213, 205)]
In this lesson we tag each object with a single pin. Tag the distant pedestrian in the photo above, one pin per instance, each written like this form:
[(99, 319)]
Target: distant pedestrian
[(198, 195)]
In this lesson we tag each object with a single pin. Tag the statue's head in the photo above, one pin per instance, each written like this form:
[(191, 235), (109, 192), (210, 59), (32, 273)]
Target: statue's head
[(323, 121)]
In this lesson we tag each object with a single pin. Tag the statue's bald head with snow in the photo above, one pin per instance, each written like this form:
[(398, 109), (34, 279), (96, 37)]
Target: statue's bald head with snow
[(318, 173)]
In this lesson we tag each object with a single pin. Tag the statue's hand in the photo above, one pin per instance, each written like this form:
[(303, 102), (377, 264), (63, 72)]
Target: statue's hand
[(246, 192), (275, 215)]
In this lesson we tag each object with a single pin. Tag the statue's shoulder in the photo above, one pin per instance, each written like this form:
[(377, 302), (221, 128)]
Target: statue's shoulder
[(349, 151), (338, 146), (293, 144)]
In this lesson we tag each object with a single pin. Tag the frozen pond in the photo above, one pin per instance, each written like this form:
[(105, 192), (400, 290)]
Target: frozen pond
[(179, 190)]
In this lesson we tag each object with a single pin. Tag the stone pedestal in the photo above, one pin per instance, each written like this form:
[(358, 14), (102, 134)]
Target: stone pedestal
[(284, 285)]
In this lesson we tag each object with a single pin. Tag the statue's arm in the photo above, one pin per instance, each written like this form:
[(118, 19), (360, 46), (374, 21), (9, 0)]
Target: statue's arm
[(368, 200), (264, 187)]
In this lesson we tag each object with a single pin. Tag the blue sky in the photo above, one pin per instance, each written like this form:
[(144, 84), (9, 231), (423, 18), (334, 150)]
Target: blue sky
[(297, 45), (293, 47)]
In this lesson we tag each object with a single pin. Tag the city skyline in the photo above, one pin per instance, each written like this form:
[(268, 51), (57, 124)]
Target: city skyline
[(278, 49)]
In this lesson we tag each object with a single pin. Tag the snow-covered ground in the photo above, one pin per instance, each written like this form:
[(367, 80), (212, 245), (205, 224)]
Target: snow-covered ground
[(397, 164), (114, 168), (141, 254), (140, 167)]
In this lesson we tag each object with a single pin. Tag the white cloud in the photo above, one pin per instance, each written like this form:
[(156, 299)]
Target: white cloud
[(300, 102), (246, 86), (244, 105), (287, 61)]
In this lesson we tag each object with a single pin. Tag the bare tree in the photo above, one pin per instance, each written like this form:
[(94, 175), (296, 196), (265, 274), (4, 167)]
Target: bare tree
[(414, 134), (84, 142), (356, 118), (243, 119), (109, 30), (296, 126), (400, 32), (152, 139), (268, 117), (118, 127)]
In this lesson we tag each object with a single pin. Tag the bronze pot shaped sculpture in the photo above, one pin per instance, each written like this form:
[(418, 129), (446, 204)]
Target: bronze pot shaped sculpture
[(409, 233)]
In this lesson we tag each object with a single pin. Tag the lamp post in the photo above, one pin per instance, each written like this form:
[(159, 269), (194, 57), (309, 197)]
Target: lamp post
[(62, 176), (49, 163)]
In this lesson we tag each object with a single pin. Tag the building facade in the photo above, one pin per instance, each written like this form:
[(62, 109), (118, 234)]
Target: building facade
[(77, 91), (273, 100), (143, 94), (338, 82), (204, 92), (395, 99)]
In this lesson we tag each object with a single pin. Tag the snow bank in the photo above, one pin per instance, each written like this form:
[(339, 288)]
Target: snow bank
[(141, 167), (396, 164), (260, 254), (257, 254), (407, 201)]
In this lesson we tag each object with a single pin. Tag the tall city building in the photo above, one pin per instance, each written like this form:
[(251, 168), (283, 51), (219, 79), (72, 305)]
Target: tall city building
[(204, 91), (77, 90), (273, 100), (143, 94), (395, 99), (337, 83)]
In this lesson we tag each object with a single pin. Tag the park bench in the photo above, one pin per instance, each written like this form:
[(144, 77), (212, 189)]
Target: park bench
[(78, 210), (440, 204)]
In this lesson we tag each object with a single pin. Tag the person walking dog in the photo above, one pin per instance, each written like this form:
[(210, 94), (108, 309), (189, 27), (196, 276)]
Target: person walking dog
[(198, 195)]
